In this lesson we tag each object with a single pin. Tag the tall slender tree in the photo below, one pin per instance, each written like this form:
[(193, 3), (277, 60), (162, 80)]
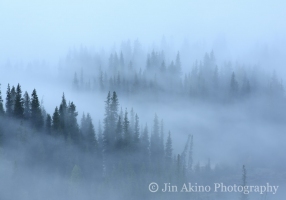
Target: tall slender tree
[(36, 113), (9, 102), (2, 112), (27, 106), (19, 103)]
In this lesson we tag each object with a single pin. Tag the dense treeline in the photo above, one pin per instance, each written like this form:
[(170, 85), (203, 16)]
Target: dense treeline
[(204, 80), (120, 155)]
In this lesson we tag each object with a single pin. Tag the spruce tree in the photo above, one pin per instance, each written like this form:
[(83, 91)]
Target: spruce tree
[(9, 102), (168, 151), (106, 131), (126, 131), (155, 141), (90, 136), (48, 124), (19, 103), (63, 109), (72, 129), (145, 146), (27, 106), (56, 125), (36, 113), (136, 130), (119, 131), (190, 160), (113, 116), (2, 112)]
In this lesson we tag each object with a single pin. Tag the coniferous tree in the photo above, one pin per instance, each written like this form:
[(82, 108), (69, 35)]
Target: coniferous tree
[(168, 151), (119, 134), (48, 124), (190, 160), (136, 130), (18, 108), (9, 102), (107, 129), (155, 141), (145, 144), (36, 113), (27, 106), (56, 125), (90, 136), (2, 112), (161, 145), (100, 137), (126, 131), (13, 96), (72, 129), (63, 111)]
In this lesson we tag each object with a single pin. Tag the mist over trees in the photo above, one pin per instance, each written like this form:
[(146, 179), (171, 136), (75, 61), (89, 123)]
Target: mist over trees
[(118, 156)]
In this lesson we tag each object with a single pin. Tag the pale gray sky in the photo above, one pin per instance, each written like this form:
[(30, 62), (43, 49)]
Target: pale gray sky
[(46, 29)]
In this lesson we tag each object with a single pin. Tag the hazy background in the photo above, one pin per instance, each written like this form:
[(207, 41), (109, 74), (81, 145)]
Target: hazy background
[(46, 30)]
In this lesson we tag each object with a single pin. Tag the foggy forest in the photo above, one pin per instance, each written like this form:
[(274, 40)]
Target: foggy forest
[(198, 118)]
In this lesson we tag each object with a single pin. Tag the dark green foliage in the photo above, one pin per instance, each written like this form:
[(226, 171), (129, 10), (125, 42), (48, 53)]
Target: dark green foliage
[(19, 103), (36, 112), (63, 111), (88, 133), (27, 106), (2, 112), (9, 102), (71, 129), (48, 124), (56, 125), (126, 131), (136, 131), (155, 140), (145, 145)]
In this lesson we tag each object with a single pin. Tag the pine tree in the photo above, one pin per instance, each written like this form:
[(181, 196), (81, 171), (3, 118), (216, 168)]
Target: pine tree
[(48, 124), (106, 131), (113, 115), (63, 111), (56, 125), (2, 112), (72, 129), (190, 160), (9, 102), (126, 131), (100, 137), (145, 144), (119, 136), (90, 136), (161, 139), (18, 108), (155, 141), (27, 106), (13, 96), (168, 151), (36, 113), (136, 130)]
